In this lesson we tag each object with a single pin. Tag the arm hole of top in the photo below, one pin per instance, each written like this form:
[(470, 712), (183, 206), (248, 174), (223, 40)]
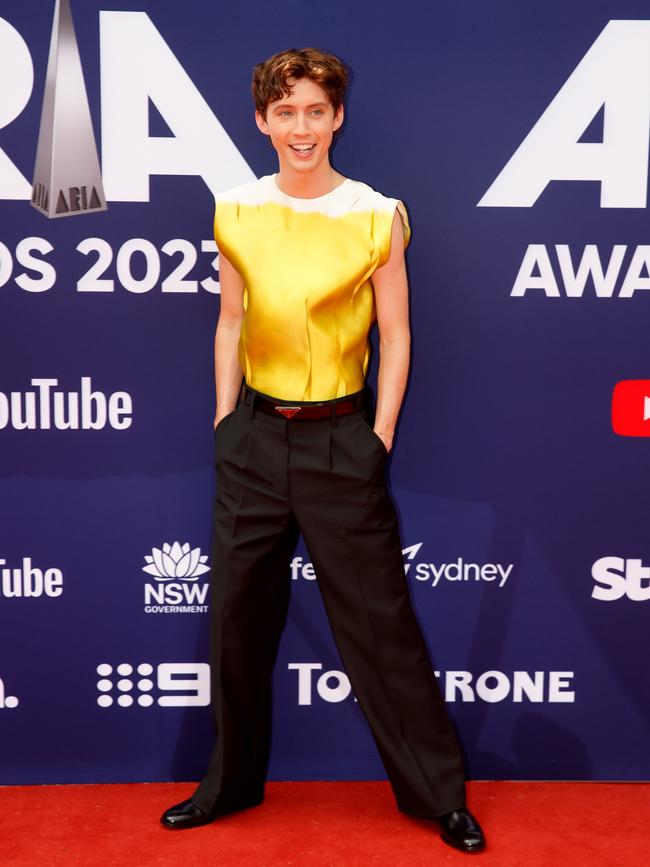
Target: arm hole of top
[(406, 228), (214, 222), (216, 227)]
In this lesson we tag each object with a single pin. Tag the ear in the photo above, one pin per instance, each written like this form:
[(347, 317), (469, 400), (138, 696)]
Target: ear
[(261, 123), (338, 116)]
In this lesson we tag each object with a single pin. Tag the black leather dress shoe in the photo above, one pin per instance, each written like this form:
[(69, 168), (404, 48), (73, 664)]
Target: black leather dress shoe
[(185, 815), (461, 830)]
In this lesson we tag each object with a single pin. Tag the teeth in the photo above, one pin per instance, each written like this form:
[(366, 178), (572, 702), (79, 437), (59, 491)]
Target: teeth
[(302, 147)]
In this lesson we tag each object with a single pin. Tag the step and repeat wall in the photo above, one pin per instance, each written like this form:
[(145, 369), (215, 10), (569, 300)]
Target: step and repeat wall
[(518, 137)]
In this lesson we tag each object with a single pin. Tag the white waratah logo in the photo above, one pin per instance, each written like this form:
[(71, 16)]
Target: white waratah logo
[(176, 568), (176, 562)]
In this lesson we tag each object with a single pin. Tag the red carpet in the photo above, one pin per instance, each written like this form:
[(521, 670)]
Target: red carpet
[(325, 825)]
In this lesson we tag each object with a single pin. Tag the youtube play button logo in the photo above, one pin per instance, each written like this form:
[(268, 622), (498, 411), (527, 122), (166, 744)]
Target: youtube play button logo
[(631, 408)]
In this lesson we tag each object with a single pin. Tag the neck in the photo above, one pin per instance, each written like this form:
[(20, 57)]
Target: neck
[(308, 185)]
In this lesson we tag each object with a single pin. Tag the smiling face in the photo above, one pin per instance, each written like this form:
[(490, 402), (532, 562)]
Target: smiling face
[(301, 126)]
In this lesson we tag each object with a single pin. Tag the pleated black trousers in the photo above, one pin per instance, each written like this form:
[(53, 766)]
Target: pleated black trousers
[(326, 478)]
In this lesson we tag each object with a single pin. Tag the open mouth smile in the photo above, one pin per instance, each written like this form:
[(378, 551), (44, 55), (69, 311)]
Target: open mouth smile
[(304, 150)]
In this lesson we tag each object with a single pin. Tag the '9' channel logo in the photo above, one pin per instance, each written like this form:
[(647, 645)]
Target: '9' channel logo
[(171, 684)]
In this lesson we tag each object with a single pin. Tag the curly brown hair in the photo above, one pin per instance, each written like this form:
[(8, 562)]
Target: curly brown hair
[(270, 77)]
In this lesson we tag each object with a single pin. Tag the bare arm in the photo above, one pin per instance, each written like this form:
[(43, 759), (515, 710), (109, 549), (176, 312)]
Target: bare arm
[(227, 372), (390, 284)]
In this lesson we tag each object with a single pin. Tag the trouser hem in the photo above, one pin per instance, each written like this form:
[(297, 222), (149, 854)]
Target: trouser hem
[(428, 814), (223, 808)]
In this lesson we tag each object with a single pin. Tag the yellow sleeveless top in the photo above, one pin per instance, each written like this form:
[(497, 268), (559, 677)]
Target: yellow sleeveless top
[(308, 298)]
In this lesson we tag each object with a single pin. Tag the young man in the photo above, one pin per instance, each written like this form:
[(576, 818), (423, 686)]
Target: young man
[(309, 260)]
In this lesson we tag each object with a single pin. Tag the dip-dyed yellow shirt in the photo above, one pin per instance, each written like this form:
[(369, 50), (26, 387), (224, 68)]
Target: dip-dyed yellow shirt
[(308, 297)]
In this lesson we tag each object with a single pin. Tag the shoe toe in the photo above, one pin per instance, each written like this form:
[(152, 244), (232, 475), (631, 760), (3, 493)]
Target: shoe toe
[(184, 815), (460, 829)]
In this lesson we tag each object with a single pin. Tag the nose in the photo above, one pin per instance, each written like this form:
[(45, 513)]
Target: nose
[(301, 123)]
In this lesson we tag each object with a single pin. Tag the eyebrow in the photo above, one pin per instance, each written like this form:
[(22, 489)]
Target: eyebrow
[(289, 105)]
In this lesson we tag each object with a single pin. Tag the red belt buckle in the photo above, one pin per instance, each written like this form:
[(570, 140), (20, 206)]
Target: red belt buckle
[(287, 411)]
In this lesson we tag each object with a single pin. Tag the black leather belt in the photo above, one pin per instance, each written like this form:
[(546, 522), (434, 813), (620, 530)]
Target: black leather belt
[(303, 411)]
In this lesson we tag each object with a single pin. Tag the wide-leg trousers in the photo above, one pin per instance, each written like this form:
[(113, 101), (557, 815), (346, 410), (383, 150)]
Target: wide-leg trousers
[(324, 478)]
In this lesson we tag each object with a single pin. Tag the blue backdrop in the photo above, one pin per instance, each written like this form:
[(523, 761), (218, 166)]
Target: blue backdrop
[(523, 511)]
